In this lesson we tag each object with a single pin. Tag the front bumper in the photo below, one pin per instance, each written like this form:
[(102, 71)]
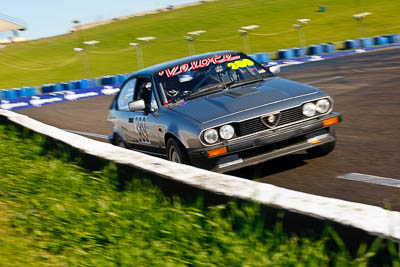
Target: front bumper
[(267, 145)]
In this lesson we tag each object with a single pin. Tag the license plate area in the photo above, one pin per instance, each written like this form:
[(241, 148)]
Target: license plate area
[(229, 161)]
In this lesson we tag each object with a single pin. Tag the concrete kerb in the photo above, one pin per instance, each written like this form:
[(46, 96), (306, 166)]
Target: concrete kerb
[(371, 219)]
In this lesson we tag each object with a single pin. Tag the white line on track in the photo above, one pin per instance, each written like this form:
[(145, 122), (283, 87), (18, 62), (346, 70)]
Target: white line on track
[(325, 80), (371, 179), (88, 134)]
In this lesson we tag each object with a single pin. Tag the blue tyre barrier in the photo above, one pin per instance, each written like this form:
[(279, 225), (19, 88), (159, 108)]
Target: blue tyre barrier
[(381, 40), (27, 91), (32, 91), (93, 82), (58, 87), (9, 94), (47, 88), (22, 92), (393, 38), (72, 85), (253, 56), (84, 84), (81, 84), (3, 94), (44, 89), (76, 85), (113, 79), (333, 47), (18, 91), (366, 42), (299, 51), (67, 86), (314, 49), (108, 80), (328, 48), (350, 44), (105, 80), (121, 78), (285, 53), (262, 57)]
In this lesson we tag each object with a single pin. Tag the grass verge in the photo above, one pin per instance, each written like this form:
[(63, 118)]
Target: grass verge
[(58, 210)]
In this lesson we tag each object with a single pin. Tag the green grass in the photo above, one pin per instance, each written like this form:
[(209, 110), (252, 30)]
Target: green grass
[(53, 59), (54, 212)]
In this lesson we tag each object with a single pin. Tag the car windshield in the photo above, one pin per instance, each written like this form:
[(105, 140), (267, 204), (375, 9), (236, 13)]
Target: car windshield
[(204, 76)]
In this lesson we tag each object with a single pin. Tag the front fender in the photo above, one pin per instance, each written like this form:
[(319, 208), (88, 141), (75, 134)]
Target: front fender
[(184, 129)]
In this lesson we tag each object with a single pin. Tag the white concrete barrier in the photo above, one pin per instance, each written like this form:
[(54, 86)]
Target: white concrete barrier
[(372, 219)]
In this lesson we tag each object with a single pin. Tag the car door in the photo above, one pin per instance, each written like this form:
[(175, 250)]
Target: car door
[(144, 123), (123, 114)]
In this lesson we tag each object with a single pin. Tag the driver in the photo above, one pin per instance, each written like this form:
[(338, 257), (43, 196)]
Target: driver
[(147, 86), (146, 93), (172, 88)]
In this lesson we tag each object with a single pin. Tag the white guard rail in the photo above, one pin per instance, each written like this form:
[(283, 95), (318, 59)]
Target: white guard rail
[(372, 219)]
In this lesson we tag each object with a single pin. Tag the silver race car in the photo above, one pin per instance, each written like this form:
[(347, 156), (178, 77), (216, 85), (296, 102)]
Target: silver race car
[(221, 111)]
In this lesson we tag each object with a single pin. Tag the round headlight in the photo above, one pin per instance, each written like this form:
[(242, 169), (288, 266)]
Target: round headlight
[(211, 136), (309, 109), (226, 132), (323, 105)]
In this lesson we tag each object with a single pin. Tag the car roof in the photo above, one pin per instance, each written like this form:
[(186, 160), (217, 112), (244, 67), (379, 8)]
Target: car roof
[(162, 66)]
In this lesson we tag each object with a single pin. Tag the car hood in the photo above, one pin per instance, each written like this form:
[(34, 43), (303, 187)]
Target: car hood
[(214, 106)]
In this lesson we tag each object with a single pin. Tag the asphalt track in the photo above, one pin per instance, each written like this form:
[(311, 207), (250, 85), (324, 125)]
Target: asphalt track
[(366, 90)]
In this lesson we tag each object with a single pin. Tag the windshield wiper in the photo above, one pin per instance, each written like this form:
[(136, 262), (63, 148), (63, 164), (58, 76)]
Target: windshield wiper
[(209, 89), (248, 81)]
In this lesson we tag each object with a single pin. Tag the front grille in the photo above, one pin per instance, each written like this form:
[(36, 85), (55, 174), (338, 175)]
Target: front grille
[(291, 115), (250, 126), (255, 125)]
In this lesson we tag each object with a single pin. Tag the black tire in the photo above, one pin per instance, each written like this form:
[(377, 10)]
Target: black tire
[(176, 152), (321, 150), (118, 141)]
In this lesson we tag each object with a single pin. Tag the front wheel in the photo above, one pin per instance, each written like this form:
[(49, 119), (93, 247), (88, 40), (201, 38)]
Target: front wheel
[(321, 150), (176, 152), (118, 141)]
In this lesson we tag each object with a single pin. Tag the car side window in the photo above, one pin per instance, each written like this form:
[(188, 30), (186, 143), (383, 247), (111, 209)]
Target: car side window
[(144, 90), (126, 95)]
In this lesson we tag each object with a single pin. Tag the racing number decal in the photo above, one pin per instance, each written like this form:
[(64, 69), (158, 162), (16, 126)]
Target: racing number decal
[(141, 129), (240, 64)]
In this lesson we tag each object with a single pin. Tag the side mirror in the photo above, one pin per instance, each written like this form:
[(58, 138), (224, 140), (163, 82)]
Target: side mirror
[(275, 69), (137, 105)]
